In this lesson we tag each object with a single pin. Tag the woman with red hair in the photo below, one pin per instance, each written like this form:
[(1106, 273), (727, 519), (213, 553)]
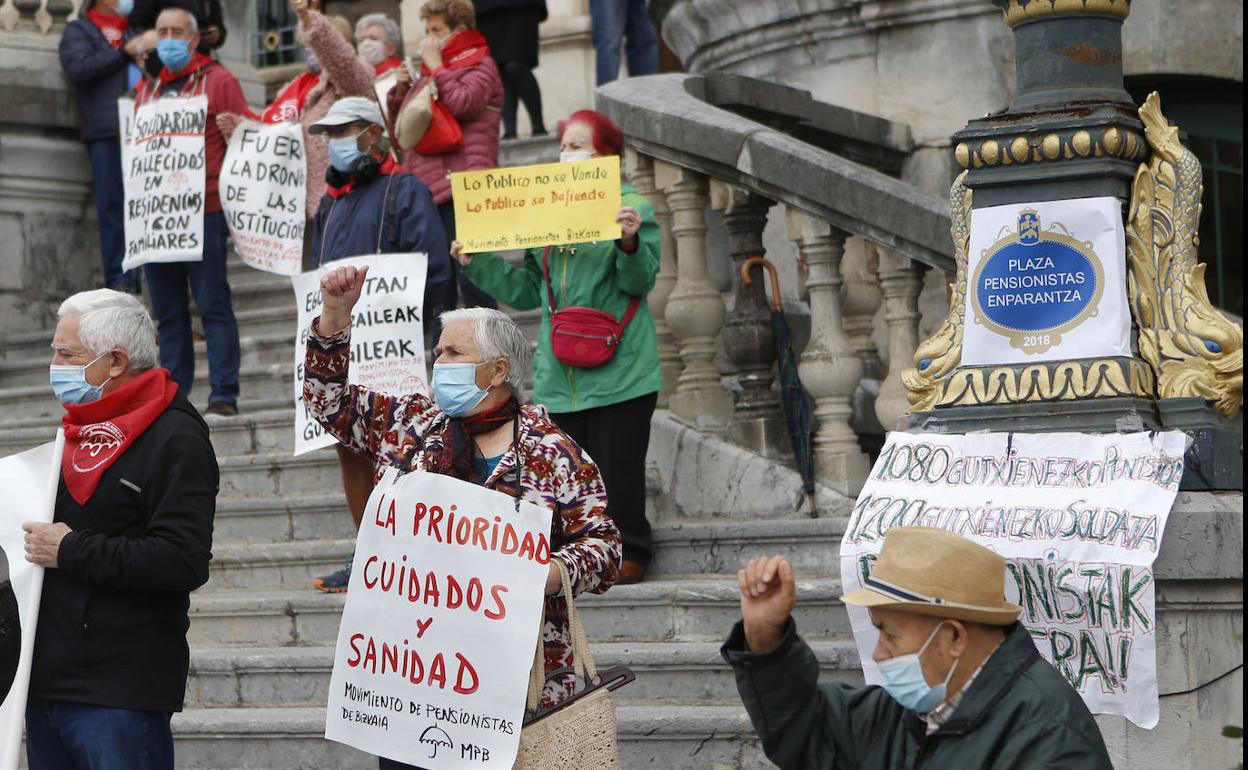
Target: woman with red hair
[(606, 409)]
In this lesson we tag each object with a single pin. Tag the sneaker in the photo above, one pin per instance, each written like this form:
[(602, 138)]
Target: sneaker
[(335, 582), (631, 572), (222, 408)]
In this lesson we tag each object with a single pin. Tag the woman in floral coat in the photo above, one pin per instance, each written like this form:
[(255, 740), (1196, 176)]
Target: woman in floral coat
[(474, 429)]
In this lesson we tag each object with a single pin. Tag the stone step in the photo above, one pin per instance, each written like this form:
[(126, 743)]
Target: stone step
[(660, 735), (26, 345), (689, 609), (715, 548), (281, 519), (692, 672), (277, 474), (264, 292)]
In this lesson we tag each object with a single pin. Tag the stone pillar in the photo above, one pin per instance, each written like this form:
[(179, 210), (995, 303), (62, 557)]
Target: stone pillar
[(830, 369), (695, 311), (640, 171), (60, 11), (748, 339), (900, 281), (26, 11), (860, 298)]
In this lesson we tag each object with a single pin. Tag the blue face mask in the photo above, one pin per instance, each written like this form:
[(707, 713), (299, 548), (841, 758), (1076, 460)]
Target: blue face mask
[(455, 388), (125, 7), (344, 152), (70, 385), (174, 53), (904, 680)]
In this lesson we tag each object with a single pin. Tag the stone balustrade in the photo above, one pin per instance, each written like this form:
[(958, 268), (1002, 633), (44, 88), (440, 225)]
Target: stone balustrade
[(859, 240), (35, 16)]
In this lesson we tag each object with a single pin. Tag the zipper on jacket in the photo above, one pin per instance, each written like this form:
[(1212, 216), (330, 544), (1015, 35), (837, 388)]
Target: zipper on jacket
[(563, 279)]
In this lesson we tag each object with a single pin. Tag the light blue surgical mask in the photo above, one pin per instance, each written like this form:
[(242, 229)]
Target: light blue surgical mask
[(344, 152), (904, 680), (125, 7), (174, 53), (455, 388), (70, 385)]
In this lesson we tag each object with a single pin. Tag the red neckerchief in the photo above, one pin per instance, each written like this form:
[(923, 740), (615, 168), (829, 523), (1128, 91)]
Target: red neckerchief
[(289, 103), (388, 65), (197, 61), (462, 50), (96, 434), (388, 167), (113, 27)]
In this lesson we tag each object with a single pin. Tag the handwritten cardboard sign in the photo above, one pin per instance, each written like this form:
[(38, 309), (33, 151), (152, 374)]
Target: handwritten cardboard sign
[(549, 204), (165, 182), (387, 333), (264, 190), (1079, 519), (441, 623)]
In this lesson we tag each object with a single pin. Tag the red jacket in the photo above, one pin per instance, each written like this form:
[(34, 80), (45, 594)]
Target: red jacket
[(224, 95)]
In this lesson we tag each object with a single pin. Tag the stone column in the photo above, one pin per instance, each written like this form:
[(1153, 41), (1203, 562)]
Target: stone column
[(59, 10), (830, 369), (26, 15), (860, 298), (748, 339), (640, 171), (695, 311), (901, 281)]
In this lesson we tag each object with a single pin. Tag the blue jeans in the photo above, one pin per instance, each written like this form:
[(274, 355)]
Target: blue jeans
[(166, 283), (110, 206), (613, 22), (62, 735)]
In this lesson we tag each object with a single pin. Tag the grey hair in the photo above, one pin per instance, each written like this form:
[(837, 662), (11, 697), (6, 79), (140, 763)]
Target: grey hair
[(389, 27), (109, 320), (192, 24), (497, 336)]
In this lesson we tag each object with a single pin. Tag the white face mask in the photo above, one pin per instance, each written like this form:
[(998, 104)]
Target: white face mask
[(573, 156), (372, 52)]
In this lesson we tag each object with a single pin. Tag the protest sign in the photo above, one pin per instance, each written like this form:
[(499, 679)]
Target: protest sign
[(1079, 519), (550, 204), (125, 120), (441, 623), (29, 481), (387, 333), (382, 87), (264, 189), (165, 182), (1038, 273)]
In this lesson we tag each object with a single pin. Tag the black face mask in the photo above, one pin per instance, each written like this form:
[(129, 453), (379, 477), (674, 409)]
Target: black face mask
[(152, 65)]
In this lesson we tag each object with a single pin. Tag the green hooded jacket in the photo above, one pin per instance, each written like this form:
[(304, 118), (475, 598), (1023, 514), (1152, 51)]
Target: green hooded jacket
[(1018, 714), (599, 275)]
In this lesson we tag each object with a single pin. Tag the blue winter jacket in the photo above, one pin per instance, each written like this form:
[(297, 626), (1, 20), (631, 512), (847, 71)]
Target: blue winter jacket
[(391, 214), (99, 74)]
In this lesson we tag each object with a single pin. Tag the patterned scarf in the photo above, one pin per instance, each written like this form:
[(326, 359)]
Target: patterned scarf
[(458, 448)]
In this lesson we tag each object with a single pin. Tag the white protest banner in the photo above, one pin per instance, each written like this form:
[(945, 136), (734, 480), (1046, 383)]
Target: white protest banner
[(441, 623), (125, 123), (264, 188), (29, 481), (165, 182), (1046, 281), (387, 333), (1079, 519)]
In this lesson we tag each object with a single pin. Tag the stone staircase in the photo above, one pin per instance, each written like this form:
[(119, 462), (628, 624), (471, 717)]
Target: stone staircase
[(262, 638)]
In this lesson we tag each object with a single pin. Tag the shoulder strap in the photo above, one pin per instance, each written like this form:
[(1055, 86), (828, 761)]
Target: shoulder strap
[(389, 225), (634, 302), (550, 291)]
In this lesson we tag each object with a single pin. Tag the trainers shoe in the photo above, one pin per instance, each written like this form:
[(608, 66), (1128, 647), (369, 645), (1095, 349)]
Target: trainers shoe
[(223, 408), (335, 582)]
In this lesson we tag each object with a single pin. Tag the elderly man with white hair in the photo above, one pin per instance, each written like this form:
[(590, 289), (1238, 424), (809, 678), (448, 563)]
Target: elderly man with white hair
[(378, 40), (130, 539)]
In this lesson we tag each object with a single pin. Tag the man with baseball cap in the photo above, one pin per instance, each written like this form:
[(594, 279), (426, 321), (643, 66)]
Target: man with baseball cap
[(964, 686), (371, 206)]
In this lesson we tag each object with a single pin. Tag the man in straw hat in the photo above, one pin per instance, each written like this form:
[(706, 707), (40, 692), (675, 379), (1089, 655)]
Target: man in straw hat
[(964, 686)]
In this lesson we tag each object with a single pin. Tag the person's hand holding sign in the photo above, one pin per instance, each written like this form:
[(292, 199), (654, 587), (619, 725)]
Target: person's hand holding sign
[(768, 592), (629, 220), (457, 254), (340, 290)]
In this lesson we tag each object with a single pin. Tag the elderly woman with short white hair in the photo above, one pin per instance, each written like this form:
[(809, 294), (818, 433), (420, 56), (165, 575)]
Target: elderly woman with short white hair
[(475, 429), (378, 40)]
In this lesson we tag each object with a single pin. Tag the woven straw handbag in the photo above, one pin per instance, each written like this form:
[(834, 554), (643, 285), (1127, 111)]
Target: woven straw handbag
[(579, 733)]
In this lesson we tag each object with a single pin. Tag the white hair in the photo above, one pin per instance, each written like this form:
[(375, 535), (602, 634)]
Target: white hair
[(110, 320), (497, 336), (192, 24), (389, 27)]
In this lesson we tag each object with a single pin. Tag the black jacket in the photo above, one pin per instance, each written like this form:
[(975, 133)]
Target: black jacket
[(99, 74), (1018, 714), (113, 618)]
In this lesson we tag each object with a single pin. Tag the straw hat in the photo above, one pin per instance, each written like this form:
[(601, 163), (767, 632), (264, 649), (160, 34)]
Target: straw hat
[(934, 572)]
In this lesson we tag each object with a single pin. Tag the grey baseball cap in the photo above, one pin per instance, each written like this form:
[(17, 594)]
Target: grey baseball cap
[(350, 109)]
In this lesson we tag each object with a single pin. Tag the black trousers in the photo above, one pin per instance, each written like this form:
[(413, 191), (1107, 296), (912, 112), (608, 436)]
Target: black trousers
[(616, 437)]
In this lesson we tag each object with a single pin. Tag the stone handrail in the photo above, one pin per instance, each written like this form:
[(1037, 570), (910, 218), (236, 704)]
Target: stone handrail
[(35, 16), (688, 150)]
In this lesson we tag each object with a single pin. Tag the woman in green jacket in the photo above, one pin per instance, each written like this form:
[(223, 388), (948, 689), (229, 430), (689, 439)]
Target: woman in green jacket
[(605, 409)]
